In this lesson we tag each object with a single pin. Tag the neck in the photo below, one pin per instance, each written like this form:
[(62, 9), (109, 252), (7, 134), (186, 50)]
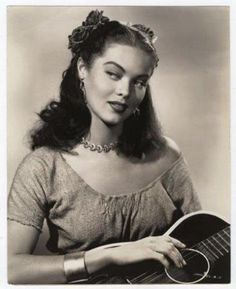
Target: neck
[(100, 133)]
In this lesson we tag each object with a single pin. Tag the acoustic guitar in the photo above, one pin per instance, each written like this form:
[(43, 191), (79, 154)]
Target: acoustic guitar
[(207, 254)]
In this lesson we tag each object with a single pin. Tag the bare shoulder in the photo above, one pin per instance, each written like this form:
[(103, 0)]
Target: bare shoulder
[(159, 163), (172, 152), (170, 155)]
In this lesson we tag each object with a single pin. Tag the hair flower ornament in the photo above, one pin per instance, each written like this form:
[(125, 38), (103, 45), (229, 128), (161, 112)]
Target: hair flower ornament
[(94, 20), (95, 17), (81, 33), (145, 31)]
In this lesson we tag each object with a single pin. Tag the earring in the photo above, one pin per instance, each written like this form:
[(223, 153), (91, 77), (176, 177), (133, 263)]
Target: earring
[(81, 85), (82, 88), (136, 112)]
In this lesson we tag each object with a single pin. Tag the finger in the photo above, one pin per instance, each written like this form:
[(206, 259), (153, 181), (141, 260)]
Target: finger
[(162, 259), (173, 254), (176, 242), (176, 257), (170, 251)]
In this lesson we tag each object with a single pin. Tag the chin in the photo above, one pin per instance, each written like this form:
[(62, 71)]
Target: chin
[(113, 121)]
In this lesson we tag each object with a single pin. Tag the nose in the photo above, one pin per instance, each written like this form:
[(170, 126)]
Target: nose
[(123, 88)]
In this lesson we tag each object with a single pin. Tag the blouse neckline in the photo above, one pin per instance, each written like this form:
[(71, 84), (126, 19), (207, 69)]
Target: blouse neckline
[(136, 192)]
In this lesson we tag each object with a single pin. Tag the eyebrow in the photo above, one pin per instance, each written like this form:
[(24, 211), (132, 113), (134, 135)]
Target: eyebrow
[(121, 68)]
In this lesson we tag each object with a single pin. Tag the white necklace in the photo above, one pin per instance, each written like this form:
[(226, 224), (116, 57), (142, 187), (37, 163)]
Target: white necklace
[(98, 148)]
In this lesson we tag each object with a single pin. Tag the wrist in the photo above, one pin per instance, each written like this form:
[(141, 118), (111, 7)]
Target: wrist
[(98, 259), (74, 267)]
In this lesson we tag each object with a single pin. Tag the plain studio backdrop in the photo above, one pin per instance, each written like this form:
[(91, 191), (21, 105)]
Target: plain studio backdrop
[(190, 87)]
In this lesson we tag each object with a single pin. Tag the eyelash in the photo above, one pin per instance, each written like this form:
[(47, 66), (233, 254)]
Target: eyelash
[(115, 76), (143, 84)]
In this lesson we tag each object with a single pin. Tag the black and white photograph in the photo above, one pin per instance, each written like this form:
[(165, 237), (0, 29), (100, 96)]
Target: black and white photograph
[(118, 145)]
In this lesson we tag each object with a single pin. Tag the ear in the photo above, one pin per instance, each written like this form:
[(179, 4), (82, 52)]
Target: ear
[(82, 69)]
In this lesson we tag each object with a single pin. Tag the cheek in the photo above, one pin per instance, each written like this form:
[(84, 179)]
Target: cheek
[(100, 87)]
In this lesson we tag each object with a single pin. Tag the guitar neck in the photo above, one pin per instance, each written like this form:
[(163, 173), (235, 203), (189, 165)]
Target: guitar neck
[(216, 246)]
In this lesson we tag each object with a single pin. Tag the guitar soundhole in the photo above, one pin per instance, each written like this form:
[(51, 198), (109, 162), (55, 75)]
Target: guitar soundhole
[(195, 271)]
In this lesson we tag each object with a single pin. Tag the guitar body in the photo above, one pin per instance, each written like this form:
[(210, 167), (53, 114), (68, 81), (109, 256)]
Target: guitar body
[(207, 253), (200, 227)]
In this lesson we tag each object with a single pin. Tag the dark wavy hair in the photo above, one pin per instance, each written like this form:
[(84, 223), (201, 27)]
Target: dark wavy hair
[(63, 123)]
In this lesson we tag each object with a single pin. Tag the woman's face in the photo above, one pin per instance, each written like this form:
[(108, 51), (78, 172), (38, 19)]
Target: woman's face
[(116, 82)]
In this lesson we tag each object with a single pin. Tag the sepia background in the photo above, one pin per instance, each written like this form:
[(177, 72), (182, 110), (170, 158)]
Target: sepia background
[(190, 87)]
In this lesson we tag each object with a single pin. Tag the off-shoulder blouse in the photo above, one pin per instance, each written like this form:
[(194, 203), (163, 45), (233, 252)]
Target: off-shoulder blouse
[(80, 218)]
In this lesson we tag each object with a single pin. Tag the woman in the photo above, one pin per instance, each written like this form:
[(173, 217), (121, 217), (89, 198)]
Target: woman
[(100, 171)]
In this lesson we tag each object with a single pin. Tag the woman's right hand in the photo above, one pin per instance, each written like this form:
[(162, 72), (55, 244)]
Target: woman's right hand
[(160, 248)]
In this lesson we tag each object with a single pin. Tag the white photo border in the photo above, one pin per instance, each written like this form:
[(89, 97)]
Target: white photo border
[(3, 125)]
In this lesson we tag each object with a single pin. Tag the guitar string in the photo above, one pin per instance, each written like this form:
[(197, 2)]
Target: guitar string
[(209, 250), (202, 242), (220, 245), (192, 254), (224, 240), (178, 273), (214, 235), (186, 255), (154, 275), (174, 275), (155, 279), (151, 277)]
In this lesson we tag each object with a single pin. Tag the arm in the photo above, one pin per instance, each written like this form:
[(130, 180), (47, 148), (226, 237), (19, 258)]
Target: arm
[(26, 213), (23, 267), (26, 268)]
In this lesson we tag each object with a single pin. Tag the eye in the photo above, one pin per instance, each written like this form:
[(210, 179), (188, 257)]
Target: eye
[(140, 83), (112, 75)]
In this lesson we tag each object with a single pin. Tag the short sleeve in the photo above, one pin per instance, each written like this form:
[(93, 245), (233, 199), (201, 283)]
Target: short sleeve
[(178, 184), (27, 196)]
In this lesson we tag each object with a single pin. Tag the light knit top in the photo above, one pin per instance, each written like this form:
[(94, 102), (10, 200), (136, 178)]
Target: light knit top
[(80, 218)]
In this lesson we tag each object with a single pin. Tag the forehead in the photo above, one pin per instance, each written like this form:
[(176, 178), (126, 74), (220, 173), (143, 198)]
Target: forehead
[(132, 59)]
